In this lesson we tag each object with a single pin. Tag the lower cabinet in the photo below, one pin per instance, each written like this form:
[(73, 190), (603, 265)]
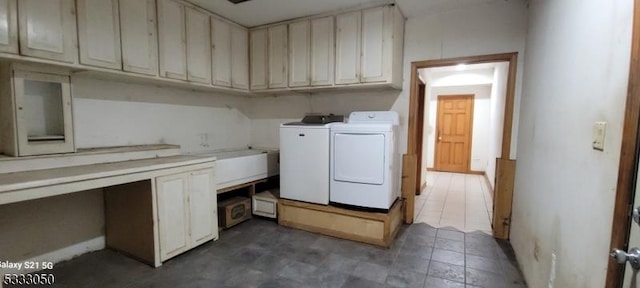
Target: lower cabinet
[(187, 215)]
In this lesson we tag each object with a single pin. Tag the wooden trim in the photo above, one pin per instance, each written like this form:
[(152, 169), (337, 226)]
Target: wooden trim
[(420, 137), (628, 166), (468, 172), (408, 186), (251, 185), (505, 176), (509, 101)]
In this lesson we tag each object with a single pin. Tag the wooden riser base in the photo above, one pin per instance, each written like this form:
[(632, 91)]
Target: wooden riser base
[(369, 227)]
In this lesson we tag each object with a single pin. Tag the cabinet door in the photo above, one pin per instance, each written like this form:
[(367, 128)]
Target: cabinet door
[(43, 111), (139, 36), (375, 61), (48, 29), (221, 31), (198, 43), (322, 51), (173, 215), (239, 58), (99, 33), (8, 26), (348, 48), (259, 59), (202, 207), (299, 38), (278, 56), (172, 40)]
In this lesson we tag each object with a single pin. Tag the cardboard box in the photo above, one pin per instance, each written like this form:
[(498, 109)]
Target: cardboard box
[(234, 211), (266, 203)]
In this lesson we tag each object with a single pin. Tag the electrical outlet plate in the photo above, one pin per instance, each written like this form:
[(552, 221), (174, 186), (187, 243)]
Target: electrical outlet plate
[(599, 130)]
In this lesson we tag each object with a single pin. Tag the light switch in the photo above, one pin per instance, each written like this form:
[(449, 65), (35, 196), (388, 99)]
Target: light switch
[(599, 129)]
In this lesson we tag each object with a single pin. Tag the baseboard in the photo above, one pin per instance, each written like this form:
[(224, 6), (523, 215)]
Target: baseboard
[(431, 169), (486, 179), (60, 255), (424, 185), (468, 172), (476, 172)]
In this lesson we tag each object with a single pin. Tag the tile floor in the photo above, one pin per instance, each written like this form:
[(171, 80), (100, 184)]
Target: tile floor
[(462, 201), (260, 253)]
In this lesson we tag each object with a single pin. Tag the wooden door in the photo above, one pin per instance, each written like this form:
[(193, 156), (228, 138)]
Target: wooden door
[(99, 33), (198, 45), (239, 58), (139, 36), (173, 215), (374, 22), (278, 57), (299, 50), (9, 26), (259, 59), (453, 133), (172, 40), (348, 48), (322, 51), (221, 36), (202, 207), (48, 29)]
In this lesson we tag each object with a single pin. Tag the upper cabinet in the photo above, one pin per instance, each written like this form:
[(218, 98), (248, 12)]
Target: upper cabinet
[(382, 38), (48, 29), (239, 58), (322, 51), (198, 43), (348, 48), (8, 26), (139, 36), (299, 49), (99, 33), (278, 56), (172, 40), (221, 50), (259, 40)]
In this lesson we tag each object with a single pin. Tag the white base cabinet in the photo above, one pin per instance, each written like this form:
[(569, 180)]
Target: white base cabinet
[(187, 211)]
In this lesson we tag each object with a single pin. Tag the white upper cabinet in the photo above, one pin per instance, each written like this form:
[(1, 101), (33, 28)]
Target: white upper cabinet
[(278, 56), (139, 36), (99, 33), (348, 48), (239, 58), (221, 35), (259, 59), (376, 33), (172, 40), (8, 26), (198, 43), (48, 29), (322, 51), (299, 54)]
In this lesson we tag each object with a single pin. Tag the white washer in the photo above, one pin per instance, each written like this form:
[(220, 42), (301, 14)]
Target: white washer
[(364, 160), (304, 162)]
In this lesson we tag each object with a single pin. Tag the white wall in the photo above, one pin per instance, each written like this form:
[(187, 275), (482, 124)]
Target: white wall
[(498, 97), (108, 113), (576, 74), (481, 123)]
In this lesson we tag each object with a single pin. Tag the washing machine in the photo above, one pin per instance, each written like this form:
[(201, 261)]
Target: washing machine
[(365, 164), (304, 158)]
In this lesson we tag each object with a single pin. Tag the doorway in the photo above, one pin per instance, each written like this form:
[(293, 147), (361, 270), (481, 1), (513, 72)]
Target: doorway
[(453, 133), (504, 166)]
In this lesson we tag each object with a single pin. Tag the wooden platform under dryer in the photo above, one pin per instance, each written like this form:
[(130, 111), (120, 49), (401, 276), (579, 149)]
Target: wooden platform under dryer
[(369, 227)]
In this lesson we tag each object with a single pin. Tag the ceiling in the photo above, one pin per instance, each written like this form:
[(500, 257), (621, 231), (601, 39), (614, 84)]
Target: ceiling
[(260, 12)]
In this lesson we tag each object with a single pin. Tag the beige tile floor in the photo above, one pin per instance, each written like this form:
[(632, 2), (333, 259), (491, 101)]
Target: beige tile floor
[(461, 201)]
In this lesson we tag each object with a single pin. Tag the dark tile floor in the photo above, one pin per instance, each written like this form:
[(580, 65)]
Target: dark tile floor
[(259, 253)]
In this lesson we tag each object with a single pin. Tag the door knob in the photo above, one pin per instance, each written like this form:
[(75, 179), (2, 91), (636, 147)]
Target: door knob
[(636, 215), (633, 257)]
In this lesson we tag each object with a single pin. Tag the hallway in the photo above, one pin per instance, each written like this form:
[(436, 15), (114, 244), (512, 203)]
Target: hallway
[(461, 201)]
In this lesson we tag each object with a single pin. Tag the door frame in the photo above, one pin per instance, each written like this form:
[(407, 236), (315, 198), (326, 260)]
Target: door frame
[(505, 167), (629, 159), (422, 86), (469, 137)]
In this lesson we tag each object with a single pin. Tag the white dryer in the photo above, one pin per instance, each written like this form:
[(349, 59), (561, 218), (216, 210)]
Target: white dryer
[(365, 164)]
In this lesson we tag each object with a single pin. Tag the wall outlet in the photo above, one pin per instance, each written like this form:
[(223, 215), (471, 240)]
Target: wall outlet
[(599, 129)]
